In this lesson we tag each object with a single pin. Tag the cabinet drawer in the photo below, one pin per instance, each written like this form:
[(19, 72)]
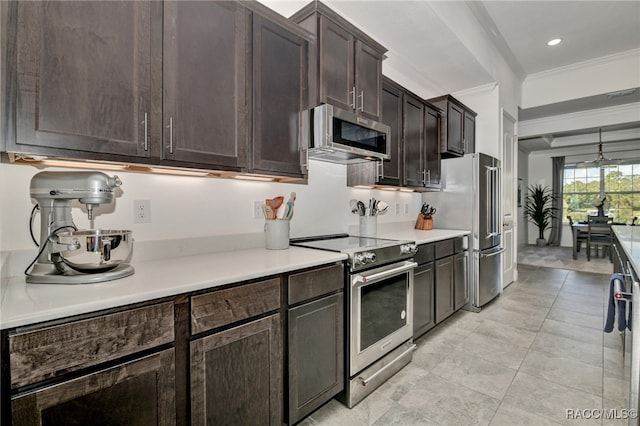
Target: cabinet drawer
[(224, 307), (444, 248), (461, 244), (310, 284), (138, 392), (426, 253), (52, 351)]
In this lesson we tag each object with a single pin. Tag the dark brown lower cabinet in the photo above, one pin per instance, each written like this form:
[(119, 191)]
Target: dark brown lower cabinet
[(444, 288), (236, 375), (316, 361), (139, 392), (423, 295)]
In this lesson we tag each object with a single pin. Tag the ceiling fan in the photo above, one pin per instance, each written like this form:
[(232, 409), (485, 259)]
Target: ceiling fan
[(600, 160)]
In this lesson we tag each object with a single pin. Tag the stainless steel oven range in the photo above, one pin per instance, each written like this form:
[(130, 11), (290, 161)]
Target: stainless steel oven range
[(378, 307)]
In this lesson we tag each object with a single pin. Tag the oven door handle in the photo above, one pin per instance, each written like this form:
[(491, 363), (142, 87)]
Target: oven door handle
[(365, 380), (363, 279)]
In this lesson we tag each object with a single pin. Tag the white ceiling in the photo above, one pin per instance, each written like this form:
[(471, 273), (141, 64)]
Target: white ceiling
[(422, 39)]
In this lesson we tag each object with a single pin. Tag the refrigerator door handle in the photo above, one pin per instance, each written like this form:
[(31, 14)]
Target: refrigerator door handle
[(492, 192), (501, 250)]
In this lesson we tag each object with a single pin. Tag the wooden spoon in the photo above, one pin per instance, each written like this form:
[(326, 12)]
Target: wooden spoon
[(276, 203)]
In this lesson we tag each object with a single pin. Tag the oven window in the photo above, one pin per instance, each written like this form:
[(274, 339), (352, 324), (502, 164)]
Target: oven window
[(383, 309), (359, 137)]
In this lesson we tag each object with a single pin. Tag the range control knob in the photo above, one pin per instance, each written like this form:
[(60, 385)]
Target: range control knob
[(364, 258), (411, 248), (369, 257)]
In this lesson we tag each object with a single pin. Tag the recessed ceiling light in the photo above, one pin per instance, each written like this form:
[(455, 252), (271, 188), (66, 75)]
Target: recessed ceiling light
[(554, 42)]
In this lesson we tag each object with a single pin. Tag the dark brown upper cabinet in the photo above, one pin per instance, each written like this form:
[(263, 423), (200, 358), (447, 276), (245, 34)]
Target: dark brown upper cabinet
[(202, 84), (84, 78), (205, 99), (458, 127), (415, 139), (280, 93), (392, 97), (432, 141), (349, 62)]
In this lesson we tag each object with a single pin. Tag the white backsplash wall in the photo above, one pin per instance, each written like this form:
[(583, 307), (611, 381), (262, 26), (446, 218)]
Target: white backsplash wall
[(187, 207)]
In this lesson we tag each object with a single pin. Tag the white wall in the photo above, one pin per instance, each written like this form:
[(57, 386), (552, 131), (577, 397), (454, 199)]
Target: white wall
[(184, 206), (595, 77)]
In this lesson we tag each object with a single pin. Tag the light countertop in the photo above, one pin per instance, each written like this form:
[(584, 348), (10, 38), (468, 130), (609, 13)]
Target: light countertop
[(629, 238), (24, 304)]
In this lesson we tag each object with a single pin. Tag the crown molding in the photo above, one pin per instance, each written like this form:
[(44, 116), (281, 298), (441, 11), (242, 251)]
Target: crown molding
[(603, 60), (626, 113)]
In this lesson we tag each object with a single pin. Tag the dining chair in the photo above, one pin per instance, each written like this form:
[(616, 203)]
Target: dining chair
[(599, 234), (579, 236)]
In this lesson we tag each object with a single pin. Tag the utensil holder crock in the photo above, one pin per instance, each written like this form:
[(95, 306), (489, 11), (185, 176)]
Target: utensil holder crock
[(368, 226), (276, 234)]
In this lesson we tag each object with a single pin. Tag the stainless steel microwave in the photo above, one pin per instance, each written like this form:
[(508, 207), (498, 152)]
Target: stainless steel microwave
[(341, 136)]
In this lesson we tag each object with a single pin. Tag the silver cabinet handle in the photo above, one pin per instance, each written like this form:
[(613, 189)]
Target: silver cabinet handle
[(353, 98), (361, 100), (146, 132), (170, 127), (424, 174)]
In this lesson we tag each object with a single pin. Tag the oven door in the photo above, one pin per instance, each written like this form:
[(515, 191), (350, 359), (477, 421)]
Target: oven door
[(381, 312)]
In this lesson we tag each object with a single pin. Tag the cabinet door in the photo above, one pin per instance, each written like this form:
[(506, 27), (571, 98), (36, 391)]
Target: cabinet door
[(454, 142), (336, 85), (469, 133), (368, 80), (83, 78), (412, 141), (432, 145), (316, 354), (392, 117), (280, 92), (205, 80), (423, 304), (461, 278), (444, 288), (140, 392), (236, 375)]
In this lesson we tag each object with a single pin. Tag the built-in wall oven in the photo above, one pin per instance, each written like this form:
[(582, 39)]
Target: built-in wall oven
[(379, 309)]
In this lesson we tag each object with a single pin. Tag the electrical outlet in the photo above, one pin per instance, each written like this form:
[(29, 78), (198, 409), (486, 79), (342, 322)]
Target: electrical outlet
[(397, 208), (406, 208), (142, 211), (257, 210)]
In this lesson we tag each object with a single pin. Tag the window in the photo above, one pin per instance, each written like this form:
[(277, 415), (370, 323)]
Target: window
[(621, 185)]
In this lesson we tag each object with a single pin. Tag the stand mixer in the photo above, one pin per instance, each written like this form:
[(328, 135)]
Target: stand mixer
[(69, 256)]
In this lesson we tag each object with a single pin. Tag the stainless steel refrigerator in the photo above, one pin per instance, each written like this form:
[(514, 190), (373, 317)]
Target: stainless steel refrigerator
[(470, 199)]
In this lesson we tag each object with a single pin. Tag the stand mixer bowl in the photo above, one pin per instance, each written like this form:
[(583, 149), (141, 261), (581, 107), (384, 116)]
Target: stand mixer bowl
[(96, 250)]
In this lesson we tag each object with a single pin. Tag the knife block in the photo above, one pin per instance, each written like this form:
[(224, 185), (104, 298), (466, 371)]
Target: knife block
[(424, 222)]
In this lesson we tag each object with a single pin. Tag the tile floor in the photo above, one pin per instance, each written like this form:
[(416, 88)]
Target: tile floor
[(530, 355)]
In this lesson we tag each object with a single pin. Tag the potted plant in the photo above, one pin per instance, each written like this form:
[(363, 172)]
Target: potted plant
[(539, 209)]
